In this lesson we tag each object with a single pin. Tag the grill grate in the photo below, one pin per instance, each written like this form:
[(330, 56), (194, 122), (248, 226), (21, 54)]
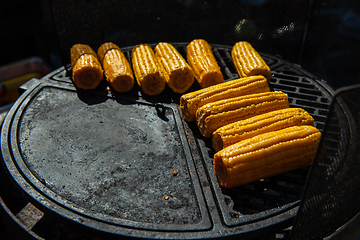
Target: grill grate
[(283, 192)]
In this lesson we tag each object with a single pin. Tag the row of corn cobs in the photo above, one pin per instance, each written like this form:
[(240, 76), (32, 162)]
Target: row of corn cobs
[(254, 131), (153, 68)]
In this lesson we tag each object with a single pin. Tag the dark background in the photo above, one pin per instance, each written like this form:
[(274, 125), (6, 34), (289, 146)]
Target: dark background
[(321, 36)]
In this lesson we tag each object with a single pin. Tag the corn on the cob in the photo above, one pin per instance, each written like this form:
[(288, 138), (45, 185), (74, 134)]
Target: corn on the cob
[(248, 61), (177, 72), (87, 72), (190, 102), (214, 115), (202, 60), (263, 123), (266, 155), (147, 70), (116, 67)]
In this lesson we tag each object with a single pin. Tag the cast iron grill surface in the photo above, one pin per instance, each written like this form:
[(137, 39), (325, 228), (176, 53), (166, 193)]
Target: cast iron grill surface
[(105, 160), (79, 162)]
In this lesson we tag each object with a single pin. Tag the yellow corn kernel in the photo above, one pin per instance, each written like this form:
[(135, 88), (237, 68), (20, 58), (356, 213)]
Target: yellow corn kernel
[(190, 102), (177, 72), (266, 155), (248, 61), (147, 70), (214, 115), (263, 123), (116, 66), (87, 72), (202, 60)]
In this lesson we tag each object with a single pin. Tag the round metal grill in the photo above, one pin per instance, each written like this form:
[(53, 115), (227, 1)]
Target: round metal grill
[(40, 133)]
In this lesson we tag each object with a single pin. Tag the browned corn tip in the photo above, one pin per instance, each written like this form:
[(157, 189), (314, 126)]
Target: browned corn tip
[(190, 102), (248, 61), (178, 74), (203, 62), (263, 123), (266, 155), (79, 49), (214, 115), (87, 72), (147, 70), (104, 48), (116, 66)]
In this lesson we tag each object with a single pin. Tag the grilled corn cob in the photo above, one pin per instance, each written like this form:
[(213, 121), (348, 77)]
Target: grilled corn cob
[(266, 155), (117, 68), (190, 102), (263, 123), (177, 72), (87, 72), (248, 61), (147, 70), (214, 115), (202, 60)]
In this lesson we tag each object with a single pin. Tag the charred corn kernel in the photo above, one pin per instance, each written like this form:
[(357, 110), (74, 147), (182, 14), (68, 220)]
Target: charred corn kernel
[(266, 155), (248, 61), (263, 123), (190, 102), (87, 72), (116, 67), (202, 60), (147, 70), (177, 72), (214, 115)]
